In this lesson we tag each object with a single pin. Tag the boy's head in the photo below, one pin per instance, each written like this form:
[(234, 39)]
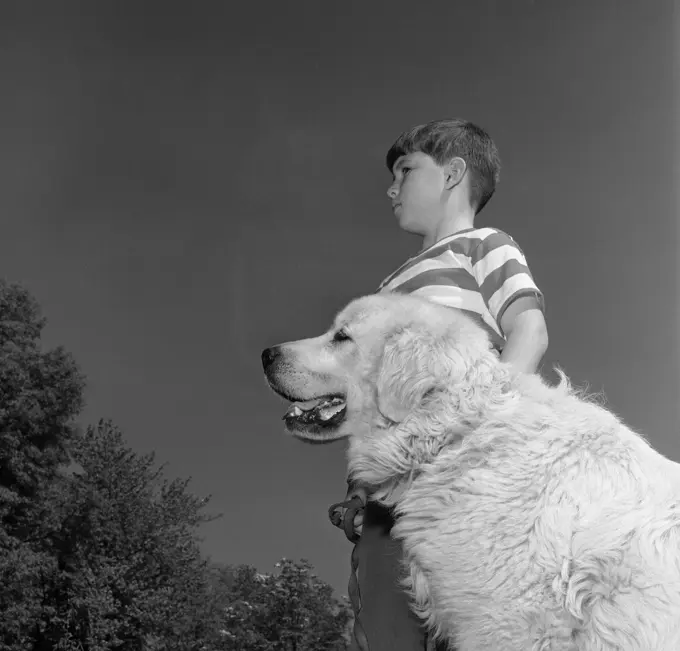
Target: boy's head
[(432, 160)]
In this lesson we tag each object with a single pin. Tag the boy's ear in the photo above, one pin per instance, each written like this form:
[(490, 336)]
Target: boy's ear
[(455, 171)]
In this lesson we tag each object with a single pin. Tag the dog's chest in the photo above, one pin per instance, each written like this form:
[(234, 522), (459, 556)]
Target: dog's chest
[(480, 530)]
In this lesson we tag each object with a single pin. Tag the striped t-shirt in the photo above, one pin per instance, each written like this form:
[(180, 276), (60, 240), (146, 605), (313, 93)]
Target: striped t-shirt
[(478, 270)]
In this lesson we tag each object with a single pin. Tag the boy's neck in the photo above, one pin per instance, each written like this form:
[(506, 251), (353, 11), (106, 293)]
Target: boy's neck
[(450, 226)]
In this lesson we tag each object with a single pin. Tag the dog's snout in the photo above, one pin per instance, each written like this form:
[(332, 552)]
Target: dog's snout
[(269, 355)]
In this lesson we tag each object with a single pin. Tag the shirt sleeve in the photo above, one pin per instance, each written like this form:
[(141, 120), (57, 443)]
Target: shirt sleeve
[(502, 273)]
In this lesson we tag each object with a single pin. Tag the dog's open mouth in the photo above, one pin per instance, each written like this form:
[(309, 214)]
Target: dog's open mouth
[(327, 411)]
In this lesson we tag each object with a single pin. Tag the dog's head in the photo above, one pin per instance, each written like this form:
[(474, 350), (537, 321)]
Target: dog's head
[(385, 357)]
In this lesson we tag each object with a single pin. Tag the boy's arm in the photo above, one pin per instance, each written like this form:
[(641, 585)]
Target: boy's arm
[(509, 291), (526, 334)]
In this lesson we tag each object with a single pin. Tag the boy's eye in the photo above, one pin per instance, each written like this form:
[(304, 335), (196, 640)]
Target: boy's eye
[(341, 335)]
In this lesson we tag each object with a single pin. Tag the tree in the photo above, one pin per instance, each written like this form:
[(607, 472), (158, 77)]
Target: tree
[(40, 394), (289, 610), (129, 565), (106, 556)]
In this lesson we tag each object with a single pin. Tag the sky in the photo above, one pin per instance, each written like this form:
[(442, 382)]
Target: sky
[(185, 184)]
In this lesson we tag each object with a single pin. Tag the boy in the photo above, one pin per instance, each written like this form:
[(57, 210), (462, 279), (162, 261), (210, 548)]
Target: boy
[(444, 173)]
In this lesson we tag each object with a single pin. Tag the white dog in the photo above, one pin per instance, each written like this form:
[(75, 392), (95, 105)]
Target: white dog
[(532, 518)]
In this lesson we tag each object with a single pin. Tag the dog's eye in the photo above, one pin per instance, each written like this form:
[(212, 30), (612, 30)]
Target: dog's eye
[(341, 335)]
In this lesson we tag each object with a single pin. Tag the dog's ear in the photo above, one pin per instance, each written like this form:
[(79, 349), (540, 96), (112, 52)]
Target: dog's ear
[(415, 362)]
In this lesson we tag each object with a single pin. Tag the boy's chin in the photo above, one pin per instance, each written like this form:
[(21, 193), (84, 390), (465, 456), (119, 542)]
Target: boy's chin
[(408, 222), (410, 227)]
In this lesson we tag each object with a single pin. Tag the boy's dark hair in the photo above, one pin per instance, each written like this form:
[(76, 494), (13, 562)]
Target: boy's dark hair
[(444, 140)]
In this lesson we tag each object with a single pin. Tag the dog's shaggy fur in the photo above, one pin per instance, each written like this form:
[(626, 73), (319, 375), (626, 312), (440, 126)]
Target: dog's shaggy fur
[(532, 518)]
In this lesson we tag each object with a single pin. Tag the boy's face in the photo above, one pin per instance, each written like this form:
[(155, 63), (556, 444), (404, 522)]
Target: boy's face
[(418, 193)]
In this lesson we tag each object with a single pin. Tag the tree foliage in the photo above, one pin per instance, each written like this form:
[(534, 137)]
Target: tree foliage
[(40, 394), (289, 610), (100, 552), (129, 562)]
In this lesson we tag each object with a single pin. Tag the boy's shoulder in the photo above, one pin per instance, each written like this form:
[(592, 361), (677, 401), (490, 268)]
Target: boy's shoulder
[(482, 233)]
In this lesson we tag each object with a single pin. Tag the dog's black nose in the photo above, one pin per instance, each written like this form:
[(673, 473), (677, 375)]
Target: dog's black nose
[(269, 355)]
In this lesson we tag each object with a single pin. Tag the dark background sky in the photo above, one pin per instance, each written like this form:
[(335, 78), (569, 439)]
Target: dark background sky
[(184, 184)]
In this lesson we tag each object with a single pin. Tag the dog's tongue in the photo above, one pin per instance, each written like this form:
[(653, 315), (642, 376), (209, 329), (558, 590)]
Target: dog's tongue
[(309, 404), (298, 407)]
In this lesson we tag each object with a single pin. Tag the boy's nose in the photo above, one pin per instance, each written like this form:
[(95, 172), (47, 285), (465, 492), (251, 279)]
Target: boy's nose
[(392, 192)]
